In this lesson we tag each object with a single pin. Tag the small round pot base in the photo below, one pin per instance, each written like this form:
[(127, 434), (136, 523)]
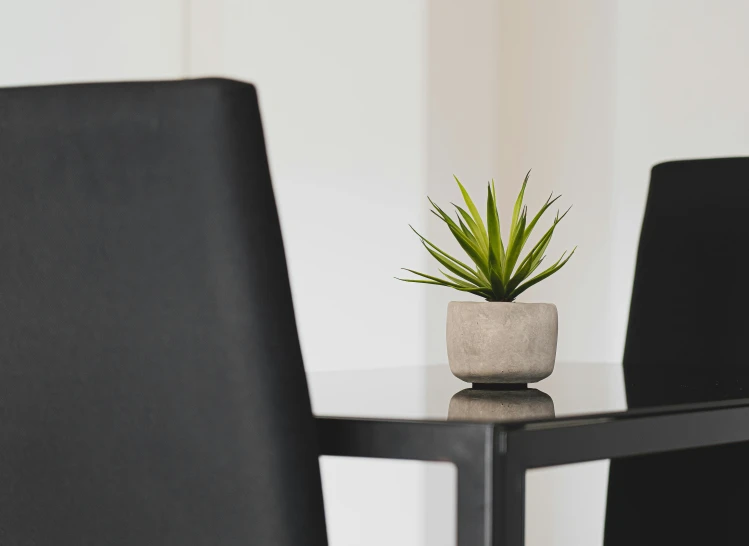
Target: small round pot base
[(499, 386)]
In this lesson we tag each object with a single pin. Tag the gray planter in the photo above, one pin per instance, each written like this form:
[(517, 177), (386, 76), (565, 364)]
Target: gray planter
[(491, 405), (493, 342)]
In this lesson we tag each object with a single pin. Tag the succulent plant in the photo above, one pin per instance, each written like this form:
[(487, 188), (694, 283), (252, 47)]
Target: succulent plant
[(499, 273)]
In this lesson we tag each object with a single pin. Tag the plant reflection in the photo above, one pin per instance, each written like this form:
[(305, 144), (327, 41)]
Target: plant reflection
[(500, 405)]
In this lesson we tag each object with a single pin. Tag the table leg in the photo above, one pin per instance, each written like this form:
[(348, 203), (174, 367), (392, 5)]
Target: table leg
[(508, 484), (474, 503)]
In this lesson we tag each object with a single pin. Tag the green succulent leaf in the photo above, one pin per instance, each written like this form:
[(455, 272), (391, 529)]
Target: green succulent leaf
[(559, 264), (457, 231), (422, 281), (496, 248), (474, 211), (431, 278), (518, 204), (515, 246), (467, 232), (495, 212), (497, 286), (499, 274), (478, 233), (451, 266), (485, 293), (540, 247), (440, 251), (537, 217), (474, 253), (460, 282)]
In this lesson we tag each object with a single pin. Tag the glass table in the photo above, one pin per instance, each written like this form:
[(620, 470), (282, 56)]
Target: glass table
[(494, 436)]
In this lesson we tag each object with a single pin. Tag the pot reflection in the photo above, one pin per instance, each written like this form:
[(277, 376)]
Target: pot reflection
[(500, 405)]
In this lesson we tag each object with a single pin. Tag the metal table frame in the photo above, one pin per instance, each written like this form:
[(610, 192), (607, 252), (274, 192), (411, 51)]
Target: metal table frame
[(492, 458)]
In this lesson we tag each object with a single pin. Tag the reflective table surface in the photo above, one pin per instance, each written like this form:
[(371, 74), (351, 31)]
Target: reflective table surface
[(433, 393)]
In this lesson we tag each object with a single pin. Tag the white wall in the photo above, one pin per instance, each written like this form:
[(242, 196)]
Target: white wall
[(342, 92), (56, 41)]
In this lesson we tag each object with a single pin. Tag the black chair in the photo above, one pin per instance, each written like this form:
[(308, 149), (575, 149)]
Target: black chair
[(151, 382), (687, 342)]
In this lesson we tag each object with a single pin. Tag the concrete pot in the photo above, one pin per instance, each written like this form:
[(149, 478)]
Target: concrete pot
[(497, 405), (496, 342)]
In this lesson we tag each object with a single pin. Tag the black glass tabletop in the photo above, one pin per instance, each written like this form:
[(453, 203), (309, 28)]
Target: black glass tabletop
[(433, 393)]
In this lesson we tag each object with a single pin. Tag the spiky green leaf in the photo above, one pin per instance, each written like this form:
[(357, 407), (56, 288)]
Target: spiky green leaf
[(485, 293), (474, 211), (474, 253), (460, 282), (495, 212), (537, 217), (559, 264), (451, 266), (514, 247), (467, 232), (496, 250), (431, 278), (540, 247), (444, 254), (478, 233), (499, 273), (497, 286), (518, 205)]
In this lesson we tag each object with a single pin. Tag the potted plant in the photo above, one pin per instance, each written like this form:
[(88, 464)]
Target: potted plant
[(497, 341)]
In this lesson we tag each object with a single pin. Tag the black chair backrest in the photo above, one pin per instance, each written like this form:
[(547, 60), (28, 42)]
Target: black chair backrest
[(151, 383), (686, 342)]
